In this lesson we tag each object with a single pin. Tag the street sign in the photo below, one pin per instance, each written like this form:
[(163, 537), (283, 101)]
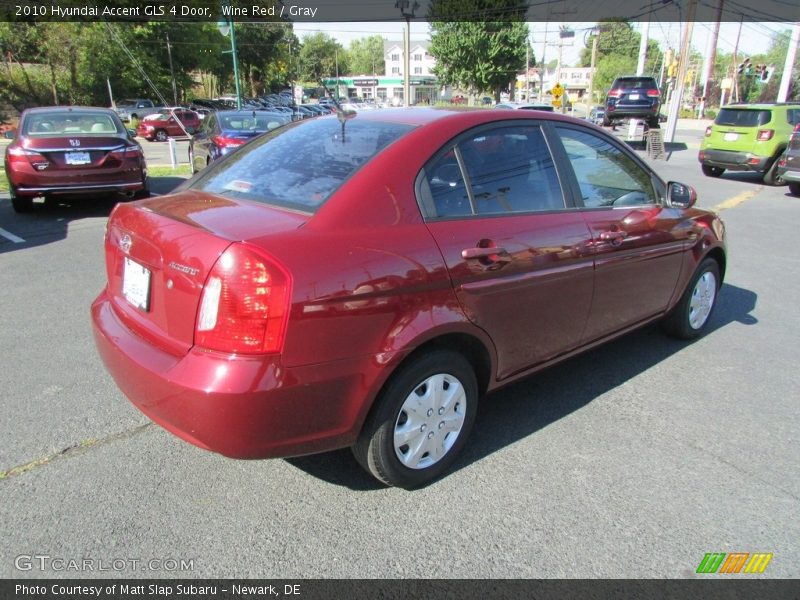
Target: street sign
[(556, 102), (557, 91)]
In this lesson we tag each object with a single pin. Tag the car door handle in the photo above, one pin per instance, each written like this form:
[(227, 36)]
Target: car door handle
[(615, 237), (495, 254)]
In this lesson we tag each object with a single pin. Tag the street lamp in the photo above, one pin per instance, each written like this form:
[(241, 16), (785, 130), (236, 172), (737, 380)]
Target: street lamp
[(404, 6), (225, 26)]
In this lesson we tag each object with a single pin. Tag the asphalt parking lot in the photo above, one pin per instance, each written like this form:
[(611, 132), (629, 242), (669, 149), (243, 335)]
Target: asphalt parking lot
[(633, 460)]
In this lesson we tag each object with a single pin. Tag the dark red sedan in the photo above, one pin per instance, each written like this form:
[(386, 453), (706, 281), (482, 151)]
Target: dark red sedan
[(167, 123), (362, 281), (72, 151)]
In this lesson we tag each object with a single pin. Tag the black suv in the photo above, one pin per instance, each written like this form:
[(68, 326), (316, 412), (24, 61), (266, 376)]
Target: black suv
[(633, 97)]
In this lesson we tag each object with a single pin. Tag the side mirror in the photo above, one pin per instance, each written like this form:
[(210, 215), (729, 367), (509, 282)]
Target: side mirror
[(9, 135), (681, 195)]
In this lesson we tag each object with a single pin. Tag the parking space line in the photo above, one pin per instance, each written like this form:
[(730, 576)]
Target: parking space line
[(10, 236), (734, 201)]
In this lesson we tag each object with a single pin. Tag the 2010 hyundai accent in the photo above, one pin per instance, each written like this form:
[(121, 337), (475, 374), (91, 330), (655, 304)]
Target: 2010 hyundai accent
[(363, 280)]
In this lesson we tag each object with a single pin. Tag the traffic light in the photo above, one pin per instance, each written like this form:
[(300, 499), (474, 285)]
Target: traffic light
[(672, 69), (760, 71), (766, 74), (744, 67)]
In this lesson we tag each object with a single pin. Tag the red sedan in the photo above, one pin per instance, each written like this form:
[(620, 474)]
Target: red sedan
[(363, 281), (167, 123), (72, 151)]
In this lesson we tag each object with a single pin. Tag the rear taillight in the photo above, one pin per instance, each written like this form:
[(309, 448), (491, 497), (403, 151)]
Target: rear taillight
[(16, 152), (765, 134), (127, 152), (227, 142), (615, 94), (701, 156), (708, 131), (245, 304), (653, 93), (782, 161), (796, 128)]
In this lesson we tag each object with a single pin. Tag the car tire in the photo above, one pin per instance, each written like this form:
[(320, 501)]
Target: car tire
[(20, 204), (710, 171), (606, 122), (161, 135), (441, 382), (690, 316), (794, 188), (144, 192), (771, 176)]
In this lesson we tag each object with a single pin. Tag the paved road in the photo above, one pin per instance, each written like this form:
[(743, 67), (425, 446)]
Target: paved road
[(632, 460)]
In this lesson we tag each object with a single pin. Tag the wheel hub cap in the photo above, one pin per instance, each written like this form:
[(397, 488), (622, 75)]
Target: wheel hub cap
[(430, 421), (703, 296)]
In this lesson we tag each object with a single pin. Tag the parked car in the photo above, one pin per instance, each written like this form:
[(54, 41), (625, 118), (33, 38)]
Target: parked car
[(524, 106), (167, 123), (136, 109), (748, 137), (596, 115), (789, 163), (223, 132), (75, 151), (363, 282), (633, 97)]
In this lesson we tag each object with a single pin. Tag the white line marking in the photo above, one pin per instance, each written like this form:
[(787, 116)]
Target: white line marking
[(10, 236)]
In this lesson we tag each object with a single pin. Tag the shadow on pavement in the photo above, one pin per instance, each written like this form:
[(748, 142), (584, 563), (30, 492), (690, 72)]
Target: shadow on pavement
[(523, 408), (49, 221)]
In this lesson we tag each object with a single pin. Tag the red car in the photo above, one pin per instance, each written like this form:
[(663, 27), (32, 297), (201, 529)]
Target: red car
[(167, 123), (72, 151), (363, 281)]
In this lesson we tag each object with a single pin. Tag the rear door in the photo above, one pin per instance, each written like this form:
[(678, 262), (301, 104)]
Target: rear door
[(638, 243), (518, 253)]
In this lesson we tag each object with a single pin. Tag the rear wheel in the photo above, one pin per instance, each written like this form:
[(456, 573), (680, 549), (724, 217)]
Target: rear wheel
[(710, 171), (21, 204), (794, 187), (420, 421), (144, 192), (161, 135), (606, 122), (771, 177), (689, 318)]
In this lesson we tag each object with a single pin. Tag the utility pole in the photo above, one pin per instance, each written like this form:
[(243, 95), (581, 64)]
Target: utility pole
[(711, 59), (735, 90), (404, 6), (643, 47), (677, 97), (527, 70), (786, 78), (592, 70), (172, 72)]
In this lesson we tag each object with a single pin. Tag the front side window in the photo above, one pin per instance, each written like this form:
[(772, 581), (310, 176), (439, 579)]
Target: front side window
[(509, 170), (607, 177)]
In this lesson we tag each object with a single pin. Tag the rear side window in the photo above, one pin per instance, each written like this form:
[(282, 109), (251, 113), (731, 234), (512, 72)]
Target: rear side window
[(793, 116), (301, 165), (742, 117), (509, 169)]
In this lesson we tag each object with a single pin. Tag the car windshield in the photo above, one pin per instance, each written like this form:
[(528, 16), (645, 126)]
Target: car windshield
[(301, 165), (54, 124), (636, 82), (742, 117), (126, 103), (250, 122)]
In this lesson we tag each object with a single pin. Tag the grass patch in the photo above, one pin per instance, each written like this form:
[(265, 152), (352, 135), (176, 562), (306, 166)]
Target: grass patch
[(179, 171), (3, 182)]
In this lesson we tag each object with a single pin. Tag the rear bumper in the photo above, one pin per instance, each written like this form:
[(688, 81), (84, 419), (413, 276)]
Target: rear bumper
[(65, 190), (128, 177), (789, 174), (238, 406), (626, 112), (734, 161)]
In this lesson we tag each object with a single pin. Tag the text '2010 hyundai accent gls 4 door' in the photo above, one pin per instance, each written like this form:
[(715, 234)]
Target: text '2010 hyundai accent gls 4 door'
[(363, 280)]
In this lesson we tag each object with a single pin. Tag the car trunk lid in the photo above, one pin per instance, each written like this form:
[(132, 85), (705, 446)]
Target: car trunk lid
[(159, 253), (75, 152)]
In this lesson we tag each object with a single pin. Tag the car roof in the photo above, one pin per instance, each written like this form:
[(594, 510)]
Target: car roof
[(75, 109)]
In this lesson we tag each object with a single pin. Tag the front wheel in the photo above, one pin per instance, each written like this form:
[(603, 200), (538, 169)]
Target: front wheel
[(161, 135), (710, 171), (690, 316), (420, 421)]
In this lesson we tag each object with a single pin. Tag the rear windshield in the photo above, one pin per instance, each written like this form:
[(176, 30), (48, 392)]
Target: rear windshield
[(248, 122), (53, 124), (636, 82), (300, 165), (742, 117)]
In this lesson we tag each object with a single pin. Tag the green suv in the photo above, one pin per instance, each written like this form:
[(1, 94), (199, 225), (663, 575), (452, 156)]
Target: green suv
[(748, 137)]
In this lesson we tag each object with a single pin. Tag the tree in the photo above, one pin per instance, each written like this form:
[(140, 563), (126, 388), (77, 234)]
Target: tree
[(367, 56), (478, 55), (321, 56)]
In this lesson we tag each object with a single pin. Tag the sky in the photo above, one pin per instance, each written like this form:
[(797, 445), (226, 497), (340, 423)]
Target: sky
[(755, 37)]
